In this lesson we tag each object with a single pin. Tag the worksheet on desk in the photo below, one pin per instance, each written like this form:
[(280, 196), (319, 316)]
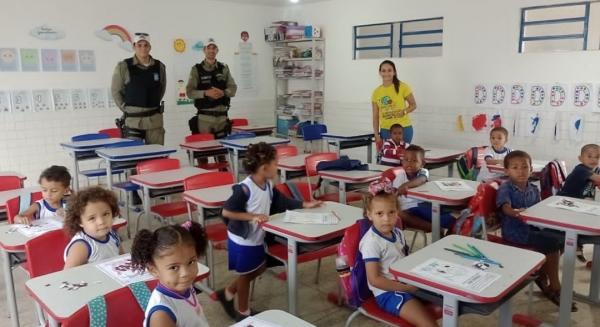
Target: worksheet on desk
[(121, 270), (455, 274), (39, 227), (576, 206), (316, 218), (453, 186)]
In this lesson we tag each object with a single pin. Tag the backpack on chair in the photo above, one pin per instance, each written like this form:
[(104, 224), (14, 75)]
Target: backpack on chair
[(470, 163), (480, 214), (552, 178)]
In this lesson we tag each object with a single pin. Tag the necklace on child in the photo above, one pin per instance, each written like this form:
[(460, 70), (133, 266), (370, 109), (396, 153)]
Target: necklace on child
[(176, 295)]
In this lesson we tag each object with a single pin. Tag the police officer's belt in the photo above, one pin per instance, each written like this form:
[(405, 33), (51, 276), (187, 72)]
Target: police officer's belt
[(145, 113), (212, 113)]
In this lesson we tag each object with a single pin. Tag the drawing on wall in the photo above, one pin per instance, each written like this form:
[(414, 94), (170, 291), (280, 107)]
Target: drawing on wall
[(496, 120), (61, 99), (478, 122), (558, 95), (48, 33), (460, 125), (179, 45), (184, 58), (537, 95), (30, 60), (246, 67), (9, 60), (21, 100), (480, 95), (42, 100), (576, 128), (517, 94), (534, 122), (79, 99), (50, 60), (498, 94), (68, 60), (5, 105), (87, 61), (117, 34), (582, 93), (97, 99)]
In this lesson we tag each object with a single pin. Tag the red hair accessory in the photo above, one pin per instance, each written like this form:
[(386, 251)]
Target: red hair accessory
[(383, 185)]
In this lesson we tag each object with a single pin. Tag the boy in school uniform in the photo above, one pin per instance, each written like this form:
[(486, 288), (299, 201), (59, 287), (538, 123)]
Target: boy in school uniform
[(494, 154), (393, 148), (581, 184)]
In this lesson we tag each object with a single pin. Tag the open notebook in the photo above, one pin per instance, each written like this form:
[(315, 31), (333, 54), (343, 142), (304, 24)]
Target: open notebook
[(315, 218)]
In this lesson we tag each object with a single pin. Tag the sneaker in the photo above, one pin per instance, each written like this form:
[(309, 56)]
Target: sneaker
[(239, 317), (227, 304)]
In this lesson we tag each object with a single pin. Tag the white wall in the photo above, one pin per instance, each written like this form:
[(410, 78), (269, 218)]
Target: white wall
[(29, 142), (480, 45)]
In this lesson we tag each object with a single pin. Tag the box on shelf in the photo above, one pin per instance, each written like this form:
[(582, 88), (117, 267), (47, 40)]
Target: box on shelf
[(284, 124), (311, 31), (294, 32)]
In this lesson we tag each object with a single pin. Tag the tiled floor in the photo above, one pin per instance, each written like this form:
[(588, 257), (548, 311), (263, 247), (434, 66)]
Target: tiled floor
[(312, 300)]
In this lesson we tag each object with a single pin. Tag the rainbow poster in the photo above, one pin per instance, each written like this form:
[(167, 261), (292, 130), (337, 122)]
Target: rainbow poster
[(117, 34)]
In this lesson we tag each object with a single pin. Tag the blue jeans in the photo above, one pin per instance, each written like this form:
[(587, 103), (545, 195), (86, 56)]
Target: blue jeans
[(408, 134)]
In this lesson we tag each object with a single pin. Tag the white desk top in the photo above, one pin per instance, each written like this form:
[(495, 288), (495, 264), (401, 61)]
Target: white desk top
[(62, 303), (562, 219), (292, 163), (315, 233), (438, 155), (252, 128), (9, 194), (13, 173), (242, 144), (91, 144), (135, 152), (430, 192), (513, 273), (166, 178), (13, 241), (202, 145), (537, 166), (355, 176), (210, 197), (277, 317), (347, 135)]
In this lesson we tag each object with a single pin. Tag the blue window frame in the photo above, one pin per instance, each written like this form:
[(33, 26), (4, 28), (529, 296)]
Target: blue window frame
[(373, 37), (553, 23), (429, 37)]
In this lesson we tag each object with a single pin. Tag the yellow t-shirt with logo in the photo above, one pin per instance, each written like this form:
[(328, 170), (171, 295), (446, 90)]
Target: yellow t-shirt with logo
[(390, 105)]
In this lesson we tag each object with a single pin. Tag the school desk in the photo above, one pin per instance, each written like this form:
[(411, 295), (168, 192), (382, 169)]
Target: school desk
[(513, 274), (573, 224), (306, 233), (430, 192), (236, 146), (14, 173), (85, 150), (289, 164), (350, 139), (163, 180), (439, 157), (11, 241), (344, 177), (131, 155), (203, 149), (275, 317), (258, 130), (60, 304)]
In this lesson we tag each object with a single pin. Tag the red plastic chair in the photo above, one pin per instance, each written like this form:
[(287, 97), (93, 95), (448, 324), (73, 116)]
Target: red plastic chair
[(279, 251), (216, 233), (217, 165), (311, 162), (13, 206), (10, 183), (111, 132), (286, 151), (239, 122), (122, 309)]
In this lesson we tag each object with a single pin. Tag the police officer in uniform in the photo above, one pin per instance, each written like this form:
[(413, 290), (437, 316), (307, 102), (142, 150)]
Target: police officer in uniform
[(138, 86), (211, 86)]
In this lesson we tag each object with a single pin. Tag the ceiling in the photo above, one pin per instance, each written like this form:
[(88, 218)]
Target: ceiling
[(277, 3)]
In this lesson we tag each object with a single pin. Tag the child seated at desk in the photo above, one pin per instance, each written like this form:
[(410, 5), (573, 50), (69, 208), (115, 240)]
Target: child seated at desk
[(581, 183), (250, 205), (171, 254), (54, 181), (513, 197), (89, 221), (381, 246), (494, 154), (393, 149), (416, 213)]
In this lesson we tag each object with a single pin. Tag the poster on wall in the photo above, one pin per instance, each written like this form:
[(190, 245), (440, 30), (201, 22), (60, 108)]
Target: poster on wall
[(30, 60), (47, 33), (500, 93), (245, 68), (21, 100), (5, 105), (576, 128), (116, 34), (42, 100), (9, 60), (97, 99), (61, 99), (558, 95), (517, 94), (538, 95), (79, 99), (68, 60), (479, 122), (50, 60), (582, 95), (87, 61), (187, 53), (480, 94)]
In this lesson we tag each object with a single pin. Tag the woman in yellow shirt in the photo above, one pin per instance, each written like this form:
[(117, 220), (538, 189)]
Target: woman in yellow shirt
[(392, 102)]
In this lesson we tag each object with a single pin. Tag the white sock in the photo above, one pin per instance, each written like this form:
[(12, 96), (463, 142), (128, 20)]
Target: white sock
[(228, 295), (245, 313)]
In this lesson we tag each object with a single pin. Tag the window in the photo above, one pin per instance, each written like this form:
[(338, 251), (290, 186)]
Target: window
[(558, 27), (414, 38)]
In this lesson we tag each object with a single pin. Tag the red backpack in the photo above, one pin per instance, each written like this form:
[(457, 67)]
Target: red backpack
[(552, 178)]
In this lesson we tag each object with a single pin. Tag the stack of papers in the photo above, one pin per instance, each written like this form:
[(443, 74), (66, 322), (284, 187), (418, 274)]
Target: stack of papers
[(316, 218), (39, 227), (454, 274), (453, 186), (577, 206)]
